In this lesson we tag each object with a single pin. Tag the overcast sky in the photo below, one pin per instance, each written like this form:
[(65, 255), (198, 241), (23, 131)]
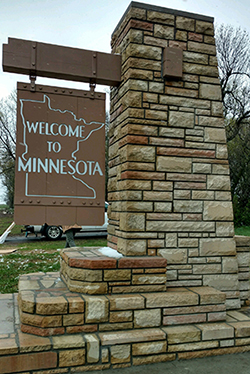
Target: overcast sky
[(88, 24)]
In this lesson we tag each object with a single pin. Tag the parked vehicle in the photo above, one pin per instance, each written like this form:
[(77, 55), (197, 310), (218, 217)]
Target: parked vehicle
[(55, 232)]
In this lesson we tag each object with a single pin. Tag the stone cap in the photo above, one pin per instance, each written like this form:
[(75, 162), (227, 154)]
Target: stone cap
[(87, 258), (155, 8)]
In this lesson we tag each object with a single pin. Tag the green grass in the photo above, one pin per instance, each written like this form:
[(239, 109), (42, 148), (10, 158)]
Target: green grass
[(32, 257), (242, 230)]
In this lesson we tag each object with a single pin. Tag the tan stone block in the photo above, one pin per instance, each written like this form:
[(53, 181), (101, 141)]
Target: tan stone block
[(174, 255), (189, 243), (92, 348), (176, 226), (221, 169), (132, 99), (209, 295), (120, 353), (185, 23), (132, 221), (170, 299), (116, 326), (121, 316), (143, 51), (157, 195), (163, 207), (162, 186), (171, 240), (27, 301), (204, 27), (149, 279), (135, 185), (76, 304), (105, 355), (193, 346), (160, 17), (188, 206), (68, 341), (126, 302), (137, 206), (243, 258), (90, 288), (156, 115), (182, 194), (112, 275), (210, 91), (138, 153), (207, 269), (217, 108), (41, 321), (131, 247), (156, 87), (72, 357), (172, 164), (96, 309), (202, 48), (213, 331), (218, 247), (229, 265), (163, 32), (73, 319), (201, 168), (85, 274), (242, 329), (140, 335), (182, 334), (218, 210), (223, 282), (181, 119), (221, 151), (142, 349), (153, 359), (223, 195), (9, 346), (196, 58), (48, 305), (212, 122), (199, 69), (147, 318), (215, 135)]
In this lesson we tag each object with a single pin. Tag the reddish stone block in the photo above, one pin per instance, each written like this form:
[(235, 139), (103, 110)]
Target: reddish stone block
[(93, 263), (142, 175), (142, 262), (77, 329), (30, 361), (185, 152), (195, 37), (190, 185), (42, 332), (130, 139), (184, 319), (141, 25)]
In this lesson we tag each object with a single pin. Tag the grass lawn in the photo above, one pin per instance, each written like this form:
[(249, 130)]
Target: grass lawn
[(242, 230)]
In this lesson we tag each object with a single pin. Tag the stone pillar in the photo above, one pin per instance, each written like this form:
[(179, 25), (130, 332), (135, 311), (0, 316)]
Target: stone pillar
[(169, 185)]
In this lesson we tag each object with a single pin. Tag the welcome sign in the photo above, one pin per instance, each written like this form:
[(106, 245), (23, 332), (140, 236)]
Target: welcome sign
[(60, 156)]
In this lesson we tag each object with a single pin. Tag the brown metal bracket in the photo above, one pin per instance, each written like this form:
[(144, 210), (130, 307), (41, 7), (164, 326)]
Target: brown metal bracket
[(32, 82), (92, 86)]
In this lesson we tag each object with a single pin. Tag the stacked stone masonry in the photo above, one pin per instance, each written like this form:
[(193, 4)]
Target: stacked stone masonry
[(98, 350), (243, 257), (169, 184)]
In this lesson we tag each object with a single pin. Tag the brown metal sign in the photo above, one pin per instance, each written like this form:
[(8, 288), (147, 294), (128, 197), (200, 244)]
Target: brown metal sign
[(60, 156)]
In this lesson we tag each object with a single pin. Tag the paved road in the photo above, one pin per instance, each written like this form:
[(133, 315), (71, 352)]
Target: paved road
[(227, 364)]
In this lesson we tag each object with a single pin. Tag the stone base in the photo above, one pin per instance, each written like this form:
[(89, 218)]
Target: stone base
[(82, 352), (88, 271), (47, 307)]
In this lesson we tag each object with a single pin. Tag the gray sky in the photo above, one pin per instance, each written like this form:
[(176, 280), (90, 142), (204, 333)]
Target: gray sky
[(88, 24)]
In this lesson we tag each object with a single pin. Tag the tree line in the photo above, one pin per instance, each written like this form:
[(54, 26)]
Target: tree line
[(233, 54)]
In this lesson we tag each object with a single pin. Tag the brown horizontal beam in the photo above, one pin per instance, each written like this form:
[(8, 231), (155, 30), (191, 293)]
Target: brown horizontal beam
[(56, 61)]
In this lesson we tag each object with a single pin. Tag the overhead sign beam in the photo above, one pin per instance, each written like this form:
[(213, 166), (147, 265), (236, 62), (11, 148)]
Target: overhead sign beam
[(59, 62)]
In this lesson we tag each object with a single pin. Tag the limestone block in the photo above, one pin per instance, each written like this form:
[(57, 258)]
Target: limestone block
[(201, 168), (163, 357), (73, 319), (196, 58), (223, 282), (163, 207), (157, 195), (218, 211), (243, 258), (182, 194), (120, 353), (121, 316), (181, 119), (105, 355), (209, 295), (68, 341), (56, 305), (156, 87), (73, 357), (174, 255), (149, 279), (188, 243), (187, 206), (142, 349), (207, 269), (210, 91), (221, 169), (113, 275), (221, 151), (171, 132), (139, 153), (193, 346), (131, 247), (204, 27), (137, 206), (91, 288), (143, 51), (212, 122), (147, 318), (199, 69), (218, 182), (92, 348), (213, 331), (185, 23), (171, 240), (162, 186), (182, 334), (215, 135), (229, 265), (163, 32), (132, 98), (217, 108), (217, 247), (126, 302), (174, 164), (84, 274), (223, 195), (160, 17), (202, 48), (96, 309), (177, 226), (132, 221), (170, 299), (27, 301), (242, 329)]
